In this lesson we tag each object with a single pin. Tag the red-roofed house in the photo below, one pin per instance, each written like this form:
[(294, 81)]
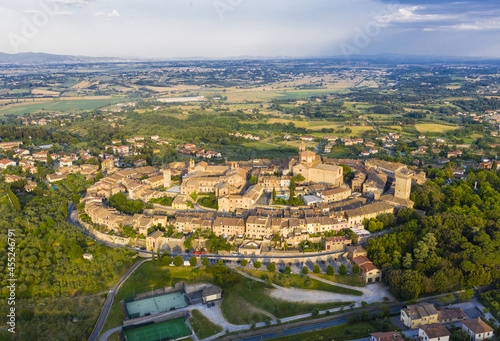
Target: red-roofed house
[(477, 329), (369, 271), (4, 163)]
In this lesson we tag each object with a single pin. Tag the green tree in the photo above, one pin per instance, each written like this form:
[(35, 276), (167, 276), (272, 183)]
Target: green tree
[(355, 269), (271, 267), (244, 262), (178, 260), (305, 270), (342, 270), (204, 261), (257, 264), (274, 193), (466, 295), (166, 260), (330, 271), (26, 315), (299, 178), (253, 180), (287, 270), (50, 160), (315, 312), (99, 176), (316, 269), (14, 200), (40, 171), (193, 261), (407, 261)]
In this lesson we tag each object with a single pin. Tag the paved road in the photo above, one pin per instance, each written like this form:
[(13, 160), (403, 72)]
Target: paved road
[(109, 302), (318, 147), (302, 329), (297, 330)]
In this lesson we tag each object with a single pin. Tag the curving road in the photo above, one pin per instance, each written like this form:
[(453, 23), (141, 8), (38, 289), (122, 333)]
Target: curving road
[(103, 316)]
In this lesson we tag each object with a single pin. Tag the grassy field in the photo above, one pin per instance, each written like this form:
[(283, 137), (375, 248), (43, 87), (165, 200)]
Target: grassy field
[(59, 106), (347, 331), (297, 281), (313, 125), (355, 281), (433, 128), (248, 302), (202, 326)]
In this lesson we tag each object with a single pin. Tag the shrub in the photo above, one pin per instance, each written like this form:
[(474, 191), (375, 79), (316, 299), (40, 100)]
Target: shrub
[(178, 260), (316, 269), (342, 270), (193, 261)]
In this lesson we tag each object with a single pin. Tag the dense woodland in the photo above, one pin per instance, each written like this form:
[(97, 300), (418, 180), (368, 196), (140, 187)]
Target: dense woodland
[(454, 246), (49, 263)]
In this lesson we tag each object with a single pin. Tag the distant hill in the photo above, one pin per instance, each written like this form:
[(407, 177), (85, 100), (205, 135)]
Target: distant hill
[(47, 58)]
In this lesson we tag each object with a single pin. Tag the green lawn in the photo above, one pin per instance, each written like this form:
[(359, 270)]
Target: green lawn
[(300, 282), (347, 331), (354, 281), (202, 326), (246, 302), (61, 106)]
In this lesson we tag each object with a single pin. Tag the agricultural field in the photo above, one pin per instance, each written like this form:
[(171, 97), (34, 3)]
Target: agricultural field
[(433, 128), (62, 105)]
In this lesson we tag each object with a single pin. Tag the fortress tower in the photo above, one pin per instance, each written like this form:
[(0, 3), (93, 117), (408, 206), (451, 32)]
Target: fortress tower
[(302, 147), (167, 177), (403, 184)]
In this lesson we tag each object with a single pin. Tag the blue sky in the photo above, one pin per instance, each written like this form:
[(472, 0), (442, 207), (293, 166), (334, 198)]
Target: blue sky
[(234, 28)]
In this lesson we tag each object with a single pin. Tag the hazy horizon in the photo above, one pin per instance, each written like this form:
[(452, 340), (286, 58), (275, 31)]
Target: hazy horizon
[(227, 29)]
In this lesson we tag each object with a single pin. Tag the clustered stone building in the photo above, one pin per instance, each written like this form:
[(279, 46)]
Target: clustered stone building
[(384, 187)]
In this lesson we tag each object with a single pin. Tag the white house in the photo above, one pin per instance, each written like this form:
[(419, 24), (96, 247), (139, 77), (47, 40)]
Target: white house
[(4, 163), (477, 329), (433, 332)]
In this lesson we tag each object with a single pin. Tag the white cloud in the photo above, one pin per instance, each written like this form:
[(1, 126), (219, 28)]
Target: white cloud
[(64, 13), (113, 13), (72, 3), (412, 15)]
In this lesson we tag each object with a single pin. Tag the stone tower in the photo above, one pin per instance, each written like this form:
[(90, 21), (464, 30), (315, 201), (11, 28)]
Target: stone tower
[(191, 165), (167, 177), (302, 147), (403, 184)]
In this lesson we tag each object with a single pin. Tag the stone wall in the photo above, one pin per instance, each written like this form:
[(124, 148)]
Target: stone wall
[(106, 237)]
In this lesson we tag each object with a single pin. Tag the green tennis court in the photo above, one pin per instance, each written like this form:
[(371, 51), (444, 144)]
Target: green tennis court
[(156, 305), (163, 331)]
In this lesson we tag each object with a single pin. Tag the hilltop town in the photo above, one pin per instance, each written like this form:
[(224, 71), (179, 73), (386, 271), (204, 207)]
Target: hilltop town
[(293, 192)]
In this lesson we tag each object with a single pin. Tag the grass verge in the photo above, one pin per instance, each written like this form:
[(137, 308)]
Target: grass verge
[(248, 301), (301, 282), (202, 326), (349, 331), (353, 281)]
